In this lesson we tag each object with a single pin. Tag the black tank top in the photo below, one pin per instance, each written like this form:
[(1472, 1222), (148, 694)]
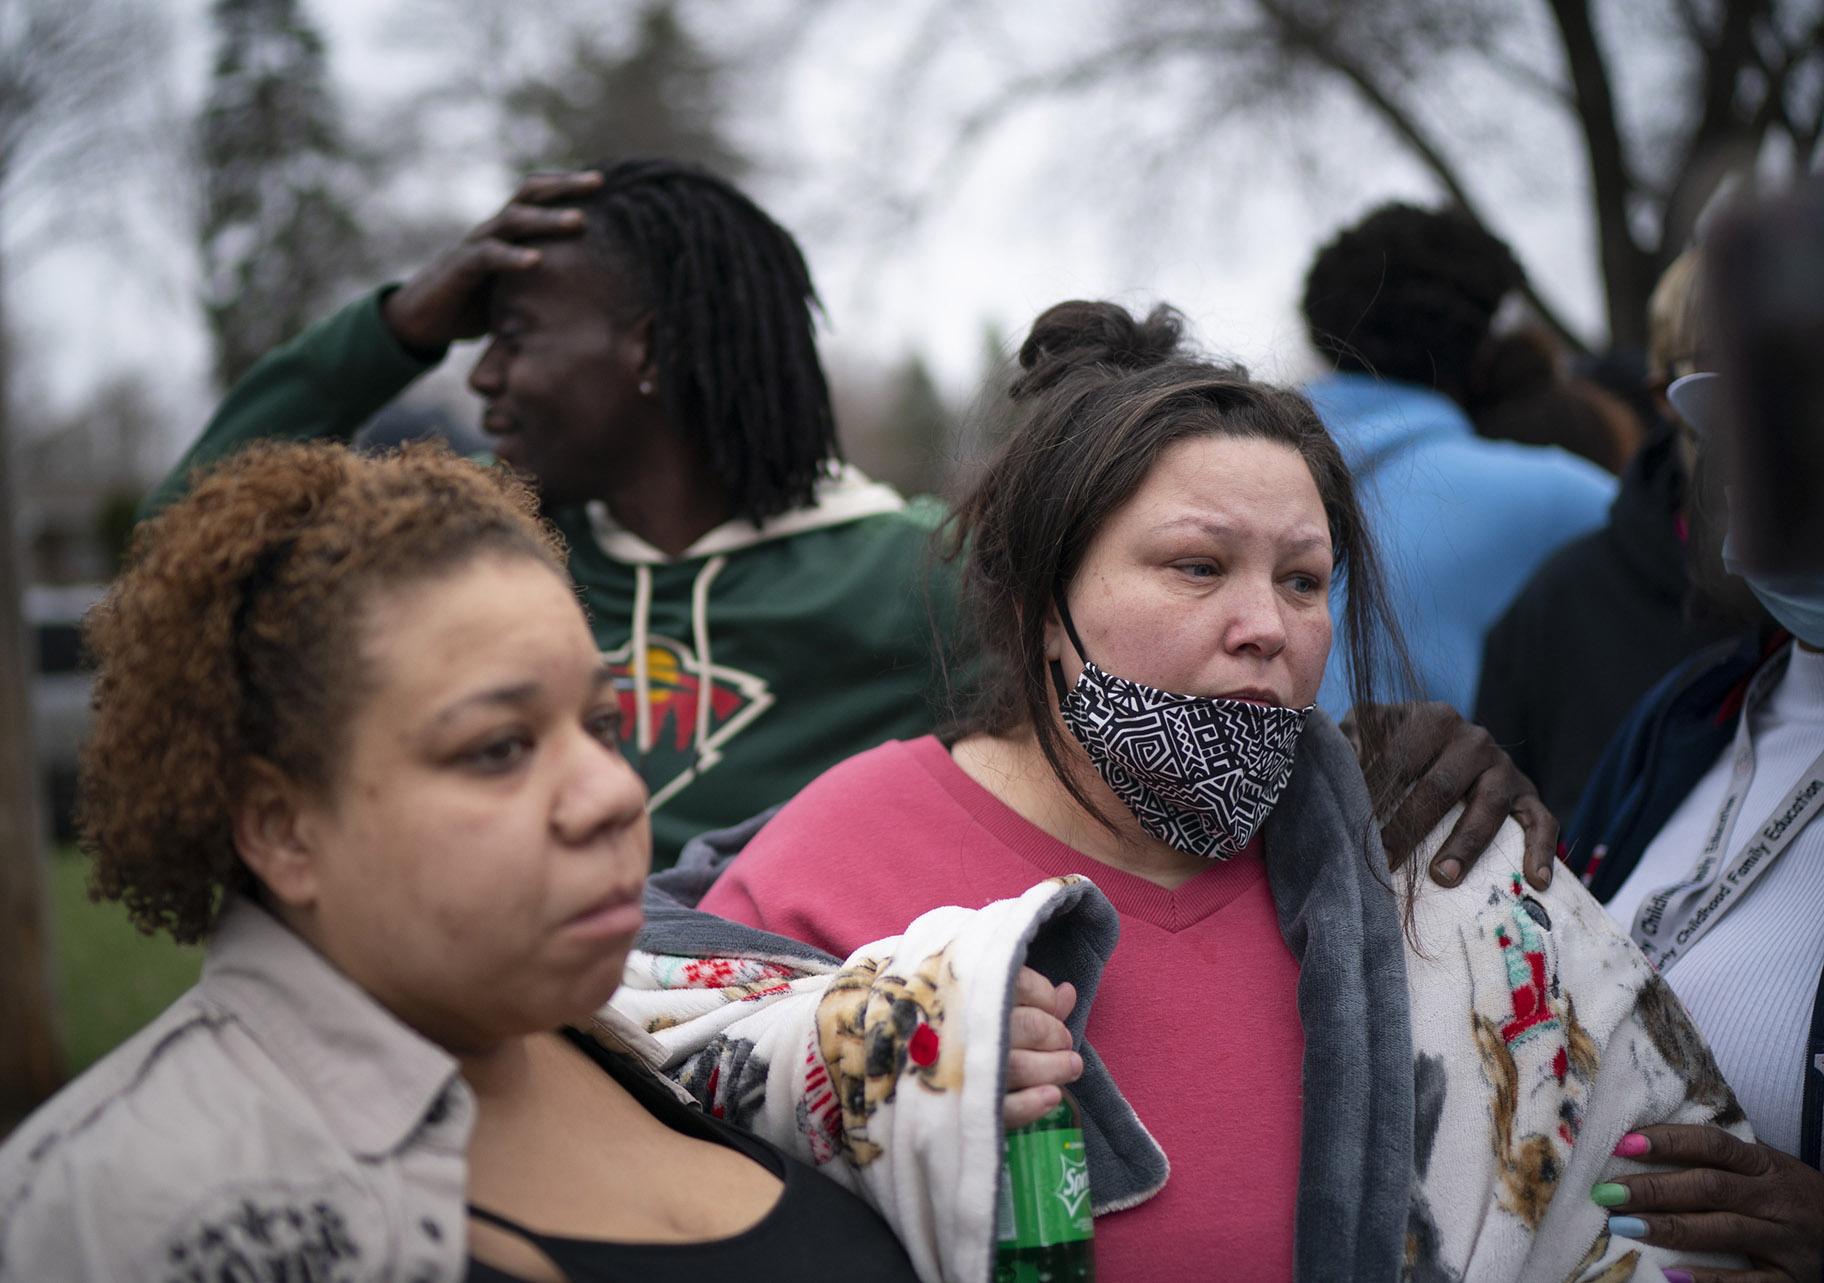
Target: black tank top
[(817, 1232)]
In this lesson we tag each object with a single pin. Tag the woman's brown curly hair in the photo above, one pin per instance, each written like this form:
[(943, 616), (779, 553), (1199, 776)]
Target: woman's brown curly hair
[(232, 636)]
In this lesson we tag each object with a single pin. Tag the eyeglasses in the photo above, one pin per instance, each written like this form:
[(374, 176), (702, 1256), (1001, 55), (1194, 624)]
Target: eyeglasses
[(1698, 398)]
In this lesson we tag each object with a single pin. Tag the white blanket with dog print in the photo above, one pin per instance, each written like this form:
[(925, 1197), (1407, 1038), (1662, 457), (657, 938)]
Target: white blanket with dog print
[(1541, 1037), (886, 1072)]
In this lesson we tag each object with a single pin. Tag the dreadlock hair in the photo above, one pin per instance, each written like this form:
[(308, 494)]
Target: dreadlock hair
[(731, 302), (1409, 293)]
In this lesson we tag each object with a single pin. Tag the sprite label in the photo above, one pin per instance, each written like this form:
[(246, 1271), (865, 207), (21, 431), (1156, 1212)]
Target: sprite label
[(1043, 1219), (1049, 1203)]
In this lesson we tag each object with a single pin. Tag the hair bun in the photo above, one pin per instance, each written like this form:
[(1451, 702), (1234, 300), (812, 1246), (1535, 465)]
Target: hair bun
[(1080, 334)]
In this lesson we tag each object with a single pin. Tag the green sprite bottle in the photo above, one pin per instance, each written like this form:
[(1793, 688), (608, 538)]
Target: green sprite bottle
[(1043, 1223)]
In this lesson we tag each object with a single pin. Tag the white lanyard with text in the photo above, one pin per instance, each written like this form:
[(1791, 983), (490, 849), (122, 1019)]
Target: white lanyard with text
[(1673, 919)]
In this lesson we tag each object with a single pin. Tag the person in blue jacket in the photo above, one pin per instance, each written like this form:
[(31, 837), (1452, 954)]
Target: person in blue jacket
[(1403, 303)]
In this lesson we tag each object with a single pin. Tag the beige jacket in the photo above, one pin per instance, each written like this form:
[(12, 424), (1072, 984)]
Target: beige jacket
[(277, 1123), (293, 1123)]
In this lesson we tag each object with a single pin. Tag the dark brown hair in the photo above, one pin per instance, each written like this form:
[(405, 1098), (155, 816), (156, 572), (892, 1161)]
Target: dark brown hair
[(1520, 391), (233, 636), (1099, 397)]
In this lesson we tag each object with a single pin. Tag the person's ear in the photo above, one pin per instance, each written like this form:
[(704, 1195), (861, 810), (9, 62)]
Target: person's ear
[(272, 836)]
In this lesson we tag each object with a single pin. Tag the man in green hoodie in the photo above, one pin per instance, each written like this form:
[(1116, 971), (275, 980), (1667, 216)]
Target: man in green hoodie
[(652, 366)]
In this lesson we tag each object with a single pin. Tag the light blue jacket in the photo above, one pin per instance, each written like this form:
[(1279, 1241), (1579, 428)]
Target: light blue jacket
[(1461, 523)]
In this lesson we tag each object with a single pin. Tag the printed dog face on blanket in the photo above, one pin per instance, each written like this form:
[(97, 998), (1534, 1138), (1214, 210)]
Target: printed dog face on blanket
[(868, 1025)]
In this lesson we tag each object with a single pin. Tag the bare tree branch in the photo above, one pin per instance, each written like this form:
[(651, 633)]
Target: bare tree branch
[(1627, 270), (1249, 56), (1719, 136), (1694, 24), (30, 1057), (1074, 76), (1282, 28), (1530, 78), (1806, 139), (64, 71), (1781, 70), (1311, 41), (63, 68)]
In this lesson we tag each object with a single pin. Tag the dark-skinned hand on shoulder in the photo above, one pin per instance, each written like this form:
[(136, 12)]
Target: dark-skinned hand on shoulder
[(1720, 1194), (447, 299), (1436, 759)]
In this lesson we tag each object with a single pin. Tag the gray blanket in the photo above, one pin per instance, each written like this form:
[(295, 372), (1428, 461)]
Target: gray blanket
[(1341, 919)]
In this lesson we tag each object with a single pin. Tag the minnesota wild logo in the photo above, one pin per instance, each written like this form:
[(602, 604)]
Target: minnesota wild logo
[(691, 714)]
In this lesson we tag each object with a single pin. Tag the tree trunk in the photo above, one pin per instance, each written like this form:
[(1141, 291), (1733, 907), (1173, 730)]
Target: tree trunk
[(1628, 272), (1297, 34), (30, 1056)]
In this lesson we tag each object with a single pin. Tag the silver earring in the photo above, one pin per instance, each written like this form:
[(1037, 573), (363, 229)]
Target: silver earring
[(645, 387)]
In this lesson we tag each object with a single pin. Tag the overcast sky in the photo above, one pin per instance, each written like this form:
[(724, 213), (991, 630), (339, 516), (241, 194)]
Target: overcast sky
[(1054, 205)]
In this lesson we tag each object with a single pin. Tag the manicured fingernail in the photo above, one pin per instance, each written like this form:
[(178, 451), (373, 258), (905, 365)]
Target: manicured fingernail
[(1448, 870), (1633, 1145), (1609, 1194), (1627, 1227), (1678, 1276)]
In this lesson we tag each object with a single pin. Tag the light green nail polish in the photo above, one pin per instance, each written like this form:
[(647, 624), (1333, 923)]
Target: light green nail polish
[(1609, 1194)]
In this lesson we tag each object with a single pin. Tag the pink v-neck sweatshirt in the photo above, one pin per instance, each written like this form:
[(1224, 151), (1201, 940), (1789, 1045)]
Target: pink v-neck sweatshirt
[(1196, 1016)]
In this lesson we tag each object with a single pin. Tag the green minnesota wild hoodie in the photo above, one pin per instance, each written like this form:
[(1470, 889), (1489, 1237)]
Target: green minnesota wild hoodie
[(748, 664)]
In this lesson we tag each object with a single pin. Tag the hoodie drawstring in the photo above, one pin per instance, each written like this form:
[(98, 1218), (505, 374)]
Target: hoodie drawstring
[(699, 630), (642, 680)]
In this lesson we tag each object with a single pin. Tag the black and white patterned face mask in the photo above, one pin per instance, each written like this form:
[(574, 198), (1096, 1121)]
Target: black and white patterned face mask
[(1199, 773)]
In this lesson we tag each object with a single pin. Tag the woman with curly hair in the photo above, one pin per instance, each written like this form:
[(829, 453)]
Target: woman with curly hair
[(353, 732)]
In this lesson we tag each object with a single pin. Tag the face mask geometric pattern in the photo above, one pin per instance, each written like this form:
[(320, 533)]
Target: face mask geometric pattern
[(1200, 774)]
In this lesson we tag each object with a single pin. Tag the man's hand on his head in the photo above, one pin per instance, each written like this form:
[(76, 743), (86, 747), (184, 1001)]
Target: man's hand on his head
[(447, 299)]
